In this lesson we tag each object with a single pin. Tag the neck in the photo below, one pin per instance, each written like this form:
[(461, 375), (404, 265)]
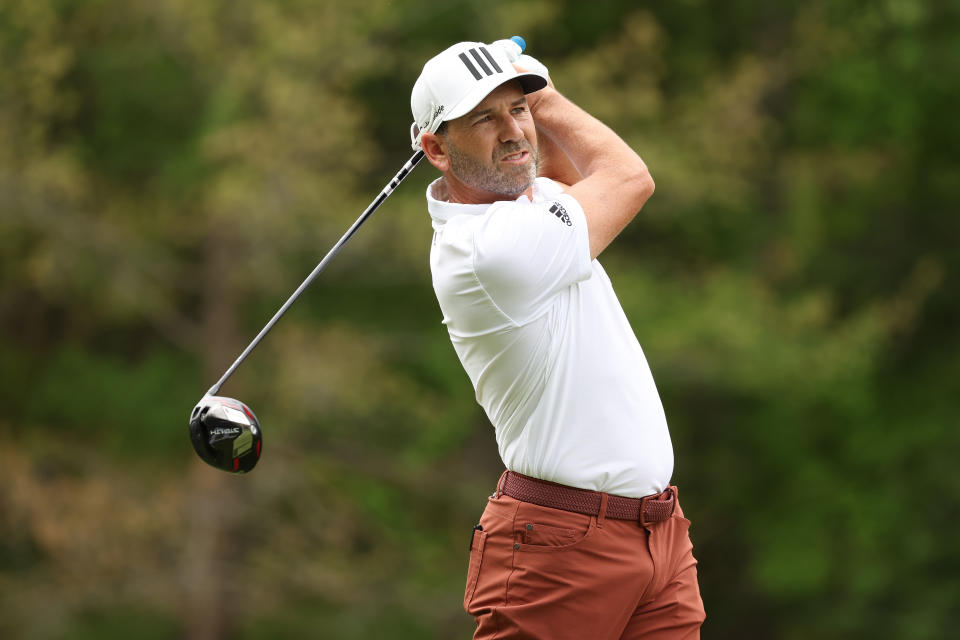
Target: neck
[(461, 193)]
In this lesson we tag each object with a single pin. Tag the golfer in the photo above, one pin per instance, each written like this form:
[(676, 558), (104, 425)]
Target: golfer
[(583, 537)]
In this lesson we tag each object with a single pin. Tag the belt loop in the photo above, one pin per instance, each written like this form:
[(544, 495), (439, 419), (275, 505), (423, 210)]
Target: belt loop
[(602, 515), (500, 483)]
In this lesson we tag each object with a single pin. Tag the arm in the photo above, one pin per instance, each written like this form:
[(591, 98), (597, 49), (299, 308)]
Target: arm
[(554, 163), (616, 182)]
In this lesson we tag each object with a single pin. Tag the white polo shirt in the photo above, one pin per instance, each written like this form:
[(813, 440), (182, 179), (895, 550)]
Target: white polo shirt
[(546, 344)]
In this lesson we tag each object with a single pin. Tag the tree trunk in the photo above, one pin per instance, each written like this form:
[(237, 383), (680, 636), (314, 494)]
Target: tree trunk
[(209, 565)]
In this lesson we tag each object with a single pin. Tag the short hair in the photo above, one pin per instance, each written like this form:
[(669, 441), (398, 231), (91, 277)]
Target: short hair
[(442, 129)]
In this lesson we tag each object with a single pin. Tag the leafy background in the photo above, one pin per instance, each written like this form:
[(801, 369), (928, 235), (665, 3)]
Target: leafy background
[(170, 170)]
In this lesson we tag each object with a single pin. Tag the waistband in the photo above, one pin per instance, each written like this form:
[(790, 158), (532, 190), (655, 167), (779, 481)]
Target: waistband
[(646, 510)]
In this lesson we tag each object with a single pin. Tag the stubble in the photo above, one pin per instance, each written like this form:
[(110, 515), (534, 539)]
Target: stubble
[(492, 176)]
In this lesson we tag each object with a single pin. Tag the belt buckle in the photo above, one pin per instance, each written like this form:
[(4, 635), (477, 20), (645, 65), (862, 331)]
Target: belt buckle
[(655, 497)]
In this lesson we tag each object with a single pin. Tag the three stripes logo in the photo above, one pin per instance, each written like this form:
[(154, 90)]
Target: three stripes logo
[(561, 213), (484, 60)]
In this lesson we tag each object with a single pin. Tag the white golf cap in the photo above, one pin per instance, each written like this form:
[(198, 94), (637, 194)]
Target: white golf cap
[(458, 79)]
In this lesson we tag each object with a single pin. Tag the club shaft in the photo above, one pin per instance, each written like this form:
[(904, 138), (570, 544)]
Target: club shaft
[(383, 195)]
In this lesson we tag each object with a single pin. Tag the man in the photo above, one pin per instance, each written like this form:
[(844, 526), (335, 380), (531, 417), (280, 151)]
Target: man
[(583, 537)]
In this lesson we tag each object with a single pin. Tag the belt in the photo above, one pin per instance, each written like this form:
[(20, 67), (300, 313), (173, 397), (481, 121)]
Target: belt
[(647, 510)]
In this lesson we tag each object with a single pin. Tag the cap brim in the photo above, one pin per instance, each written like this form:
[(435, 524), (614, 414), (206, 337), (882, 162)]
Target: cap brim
[(530, 81)]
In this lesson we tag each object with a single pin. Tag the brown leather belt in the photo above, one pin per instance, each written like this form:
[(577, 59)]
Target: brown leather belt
[(649, 509)]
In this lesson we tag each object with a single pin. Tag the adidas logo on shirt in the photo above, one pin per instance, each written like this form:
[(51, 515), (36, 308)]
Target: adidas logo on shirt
[(561, 213)]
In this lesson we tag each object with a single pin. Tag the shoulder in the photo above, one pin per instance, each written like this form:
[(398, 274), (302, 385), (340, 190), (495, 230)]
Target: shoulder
[(550, 188), (506, 234), (518, 254)]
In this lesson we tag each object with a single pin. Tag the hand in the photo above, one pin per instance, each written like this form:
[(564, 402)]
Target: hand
[(529, 63)]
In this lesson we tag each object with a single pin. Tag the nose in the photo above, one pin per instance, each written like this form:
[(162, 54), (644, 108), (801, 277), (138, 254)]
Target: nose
[(510, 130)]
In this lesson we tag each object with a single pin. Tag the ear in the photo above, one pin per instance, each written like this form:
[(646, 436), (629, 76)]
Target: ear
[(435, 148)]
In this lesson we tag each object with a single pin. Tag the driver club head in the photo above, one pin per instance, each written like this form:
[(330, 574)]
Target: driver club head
[(225, 434)]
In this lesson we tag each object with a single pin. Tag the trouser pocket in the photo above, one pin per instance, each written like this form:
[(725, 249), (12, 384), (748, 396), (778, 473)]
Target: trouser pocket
[(477, 543)]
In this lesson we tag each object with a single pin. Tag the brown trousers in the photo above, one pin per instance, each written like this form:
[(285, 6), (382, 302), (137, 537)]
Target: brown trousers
[(543, 574)]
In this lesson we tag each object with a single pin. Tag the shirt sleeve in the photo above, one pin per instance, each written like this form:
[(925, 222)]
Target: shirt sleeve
[(526, 253)]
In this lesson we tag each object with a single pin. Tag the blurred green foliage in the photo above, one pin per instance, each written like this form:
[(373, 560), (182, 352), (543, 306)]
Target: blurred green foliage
[(169, 171)]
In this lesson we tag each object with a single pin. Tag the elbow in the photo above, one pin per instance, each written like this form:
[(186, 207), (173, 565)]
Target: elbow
[(649, 185), (641, 185)]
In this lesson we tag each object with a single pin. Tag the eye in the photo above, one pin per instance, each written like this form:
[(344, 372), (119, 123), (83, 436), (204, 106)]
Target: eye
[(481, 120)]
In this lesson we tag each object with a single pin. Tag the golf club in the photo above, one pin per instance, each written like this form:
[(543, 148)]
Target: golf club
[(224, 432)]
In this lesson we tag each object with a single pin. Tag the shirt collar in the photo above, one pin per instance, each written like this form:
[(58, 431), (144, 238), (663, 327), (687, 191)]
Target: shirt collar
[(441, 210)]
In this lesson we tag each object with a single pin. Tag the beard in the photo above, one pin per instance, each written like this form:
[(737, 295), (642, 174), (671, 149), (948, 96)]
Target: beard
[(506, 180)]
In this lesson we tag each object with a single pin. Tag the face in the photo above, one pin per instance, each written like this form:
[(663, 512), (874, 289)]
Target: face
[(491, 152)]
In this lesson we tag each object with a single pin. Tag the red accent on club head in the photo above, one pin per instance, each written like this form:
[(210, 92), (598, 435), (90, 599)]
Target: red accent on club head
[(258, 448), (236, 463), (247, 411)]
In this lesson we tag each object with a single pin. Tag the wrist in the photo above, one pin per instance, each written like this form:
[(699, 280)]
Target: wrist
[(541, 101)]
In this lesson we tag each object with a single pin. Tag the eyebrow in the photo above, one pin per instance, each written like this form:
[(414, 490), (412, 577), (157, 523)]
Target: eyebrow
[(483, 112)]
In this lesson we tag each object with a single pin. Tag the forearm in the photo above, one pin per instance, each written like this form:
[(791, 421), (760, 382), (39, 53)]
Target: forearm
[(589, 144), (553, 162), (615, 183)]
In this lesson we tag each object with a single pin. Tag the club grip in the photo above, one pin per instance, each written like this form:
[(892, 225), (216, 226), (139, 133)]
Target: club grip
[(513, 47)]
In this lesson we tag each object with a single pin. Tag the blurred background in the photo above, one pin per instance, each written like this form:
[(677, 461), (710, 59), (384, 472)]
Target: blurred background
[(170, 170)]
